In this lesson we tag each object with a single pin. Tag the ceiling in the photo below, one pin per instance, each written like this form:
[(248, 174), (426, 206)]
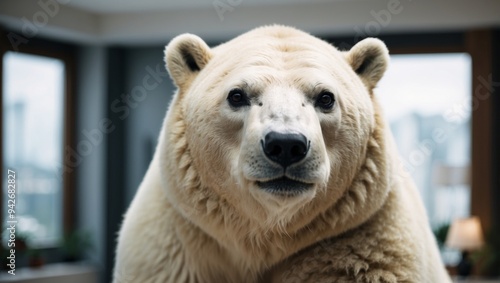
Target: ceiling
[(153, 22), (127, 6)]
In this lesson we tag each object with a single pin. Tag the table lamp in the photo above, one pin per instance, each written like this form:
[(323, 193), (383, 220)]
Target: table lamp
[(465, 235)]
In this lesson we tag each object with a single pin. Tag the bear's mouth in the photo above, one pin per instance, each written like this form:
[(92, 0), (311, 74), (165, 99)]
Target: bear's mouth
[(284, 187)]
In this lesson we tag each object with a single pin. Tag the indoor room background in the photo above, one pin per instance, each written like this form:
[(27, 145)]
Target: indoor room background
[(84, 92)]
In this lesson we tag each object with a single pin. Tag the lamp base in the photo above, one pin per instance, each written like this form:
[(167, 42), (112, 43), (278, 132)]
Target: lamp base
[(464, 267)]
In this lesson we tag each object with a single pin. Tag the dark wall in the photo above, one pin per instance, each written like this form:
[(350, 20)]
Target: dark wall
[(149, 90), (115, 157), (90, 180), (398, 42), (138, 93)]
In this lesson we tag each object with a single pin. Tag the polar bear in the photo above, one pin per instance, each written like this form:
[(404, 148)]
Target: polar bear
[(274, 164)]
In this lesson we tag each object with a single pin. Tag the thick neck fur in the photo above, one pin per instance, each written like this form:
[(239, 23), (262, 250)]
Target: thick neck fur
[(226, 229)]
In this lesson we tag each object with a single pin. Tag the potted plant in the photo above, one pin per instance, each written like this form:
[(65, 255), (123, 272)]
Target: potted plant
[(35, 259), (487, 259), (440, 233), (75, 244)]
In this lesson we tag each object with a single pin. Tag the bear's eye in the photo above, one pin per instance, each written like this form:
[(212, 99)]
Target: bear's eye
[(325, 100), (237, 98)]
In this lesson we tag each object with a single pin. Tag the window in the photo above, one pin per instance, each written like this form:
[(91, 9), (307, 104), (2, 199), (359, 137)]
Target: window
[(33, 101), (426, 99)]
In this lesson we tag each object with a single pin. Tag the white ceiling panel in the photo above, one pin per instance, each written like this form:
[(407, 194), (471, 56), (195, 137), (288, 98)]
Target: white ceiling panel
[(146, 22)]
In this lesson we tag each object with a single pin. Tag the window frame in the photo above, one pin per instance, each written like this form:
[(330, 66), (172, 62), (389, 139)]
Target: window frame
[(64, 53)]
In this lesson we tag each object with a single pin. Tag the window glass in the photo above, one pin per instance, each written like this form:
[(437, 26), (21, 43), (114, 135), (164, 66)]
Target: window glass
[(426, 100), (32, 117)]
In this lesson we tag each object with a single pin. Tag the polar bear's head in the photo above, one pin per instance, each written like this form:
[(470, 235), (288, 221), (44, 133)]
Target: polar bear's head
[(271, 126)]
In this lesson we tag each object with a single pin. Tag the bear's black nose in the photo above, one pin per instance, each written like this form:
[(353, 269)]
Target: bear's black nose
[(285, 149)]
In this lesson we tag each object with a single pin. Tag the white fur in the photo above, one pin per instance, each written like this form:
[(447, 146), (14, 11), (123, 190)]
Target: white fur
[(199, 215)]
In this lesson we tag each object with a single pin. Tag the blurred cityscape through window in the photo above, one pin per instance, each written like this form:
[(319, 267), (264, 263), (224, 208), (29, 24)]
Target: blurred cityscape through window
[(426, 99), (32, 117)]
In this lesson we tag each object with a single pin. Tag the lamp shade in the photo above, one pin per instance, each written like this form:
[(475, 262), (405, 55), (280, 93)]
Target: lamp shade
[(465, 234)]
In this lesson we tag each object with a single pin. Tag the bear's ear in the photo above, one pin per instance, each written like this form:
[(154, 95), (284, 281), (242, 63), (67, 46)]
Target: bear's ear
[(369, 59), (185, 56)]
